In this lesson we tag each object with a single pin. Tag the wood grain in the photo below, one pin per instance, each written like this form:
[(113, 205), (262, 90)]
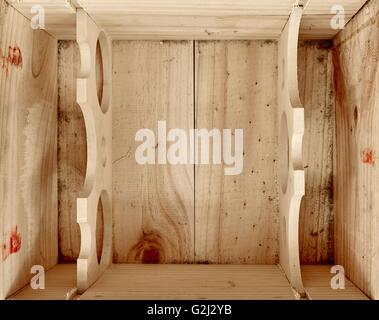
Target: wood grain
[(356, 72), (317, 95), (212, 19), (153, 205), (72, 151), (317, 283), (237, 216), (216, 282), (189, 19), (60, 284), (28, 149)]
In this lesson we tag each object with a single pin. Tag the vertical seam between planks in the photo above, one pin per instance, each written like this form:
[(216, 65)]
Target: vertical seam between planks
[(194, 148)]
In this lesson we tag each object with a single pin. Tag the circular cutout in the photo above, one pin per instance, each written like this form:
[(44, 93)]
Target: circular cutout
[(284, 230), (99, 230), (103, 152), (102, 68), (99, 73), (104, 229), (283, 153)]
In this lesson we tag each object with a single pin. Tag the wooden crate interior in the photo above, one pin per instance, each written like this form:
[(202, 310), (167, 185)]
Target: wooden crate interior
[(190, 226)]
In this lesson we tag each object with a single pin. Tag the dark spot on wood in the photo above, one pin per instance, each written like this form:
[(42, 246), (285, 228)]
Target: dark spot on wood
[(150, 255), (149, 249), (321, 58), (355, 116)]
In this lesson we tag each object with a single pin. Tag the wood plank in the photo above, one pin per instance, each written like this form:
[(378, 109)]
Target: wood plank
[(212, 19), (60, 17), (189, 19), (216, 282), (94, 205), (290, 130), (28, 149), (356, 72), (237, 215), (317, 285), (60, 284), (72, 151), (153, 205), (316, 218)]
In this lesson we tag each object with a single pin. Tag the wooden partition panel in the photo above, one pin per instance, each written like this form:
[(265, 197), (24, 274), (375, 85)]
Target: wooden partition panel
[(153, 204), (72, 151), (316, 232), (28, 149), (237, 215), (356, 73)]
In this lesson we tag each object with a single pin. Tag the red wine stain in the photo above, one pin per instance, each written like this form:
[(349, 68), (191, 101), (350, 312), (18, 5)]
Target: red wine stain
[(12, 58), (12, 244), (368, 156)]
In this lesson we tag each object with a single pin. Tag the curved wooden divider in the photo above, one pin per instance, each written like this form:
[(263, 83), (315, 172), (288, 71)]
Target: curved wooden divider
[(98, 123), (291, 130)]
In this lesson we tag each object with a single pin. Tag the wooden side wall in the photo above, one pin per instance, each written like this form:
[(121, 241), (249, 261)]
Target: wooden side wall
[(317, 95), (356, 73), (28, 150), (237, 216)]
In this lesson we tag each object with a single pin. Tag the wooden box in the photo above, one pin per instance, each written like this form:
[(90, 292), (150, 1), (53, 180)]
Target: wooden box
[(84, 217)]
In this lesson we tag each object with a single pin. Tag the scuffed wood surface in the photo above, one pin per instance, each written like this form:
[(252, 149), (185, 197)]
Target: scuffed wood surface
[(153, 205), (356, 72), (236, 216), (72, 151), (28, 150), (215, 282), (317, 95), (60, 284), (317, 284)]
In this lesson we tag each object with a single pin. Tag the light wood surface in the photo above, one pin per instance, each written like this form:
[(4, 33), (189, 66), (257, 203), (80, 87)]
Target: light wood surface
[(28, 149), (153, 204), (190, 19), (72, 151), (316, 211), (317, 278), (190, 282), (229, 282), (290, 130), (60, 284), (316, 220), (357, 172), (60, 17), (236, 216), (96, 196)]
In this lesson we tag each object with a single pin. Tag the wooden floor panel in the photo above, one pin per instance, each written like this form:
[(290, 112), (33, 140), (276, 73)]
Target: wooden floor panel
[(174, 281), (128, 281), (316, 280), (60, 284)]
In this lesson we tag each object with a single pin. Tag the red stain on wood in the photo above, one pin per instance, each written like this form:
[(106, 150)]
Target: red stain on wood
[(12, 244), (368, 156), (12, 58)]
